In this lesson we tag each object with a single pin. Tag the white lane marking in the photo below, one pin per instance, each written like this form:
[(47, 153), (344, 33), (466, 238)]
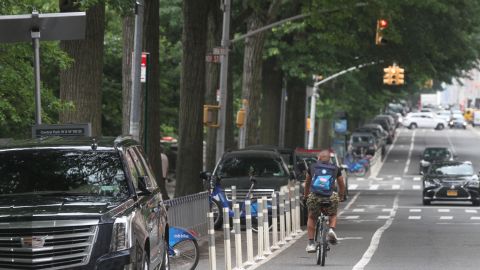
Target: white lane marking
[(290, 243), (412, 144), (383, 217), (471, 211), (378, 178), (387, 210), (352, 186), (350, 238), (416, 187), (367, 256), (444, 210), (414, 217), (351, 217), (446, 217), (358, 210), (474, 218), (415, 210), (373, 187), (395, 186), (397, 179), (360, 179), (416, 178)]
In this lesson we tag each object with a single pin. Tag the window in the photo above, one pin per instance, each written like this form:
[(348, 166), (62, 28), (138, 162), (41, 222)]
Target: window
[(69, 171), (242, 166)]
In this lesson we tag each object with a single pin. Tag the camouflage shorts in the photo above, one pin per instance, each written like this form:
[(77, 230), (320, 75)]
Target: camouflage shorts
[(313, 204)]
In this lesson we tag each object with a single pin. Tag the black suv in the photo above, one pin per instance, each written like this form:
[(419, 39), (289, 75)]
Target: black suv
[(80, 203)]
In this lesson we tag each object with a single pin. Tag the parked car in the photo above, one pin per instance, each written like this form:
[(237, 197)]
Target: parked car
[(80, 203), (288, 155), (451, 181), (434, 154), (423, 120), (378, 132), (387, 127), (457, 121), (268, 167), (445, 115), (363, 143)]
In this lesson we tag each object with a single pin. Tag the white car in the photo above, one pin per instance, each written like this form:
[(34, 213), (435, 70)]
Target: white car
[(423, 120), (445, 115)]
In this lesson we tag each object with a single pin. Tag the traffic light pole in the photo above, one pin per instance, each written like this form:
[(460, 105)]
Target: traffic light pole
[(223, 81), (314, 97)]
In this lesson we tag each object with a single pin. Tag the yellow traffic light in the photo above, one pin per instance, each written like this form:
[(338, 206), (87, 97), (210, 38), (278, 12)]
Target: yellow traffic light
[(399, 75), (210, 115), (381, 25), (240, 118), (428, 84), (387, 76)]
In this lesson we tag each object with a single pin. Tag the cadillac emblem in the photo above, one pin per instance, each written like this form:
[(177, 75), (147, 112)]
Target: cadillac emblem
[(33, 241)]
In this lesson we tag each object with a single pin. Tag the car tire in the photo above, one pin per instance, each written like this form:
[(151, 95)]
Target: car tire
[(412, 126), (426, 202), (440, 127)]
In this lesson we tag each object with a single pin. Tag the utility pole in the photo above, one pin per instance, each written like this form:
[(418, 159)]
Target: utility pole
[(135, 104), (283, 105), (223, 80)]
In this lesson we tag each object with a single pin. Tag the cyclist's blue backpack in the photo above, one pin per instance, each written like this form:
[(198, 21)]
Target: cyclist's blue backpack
[(323, 178)]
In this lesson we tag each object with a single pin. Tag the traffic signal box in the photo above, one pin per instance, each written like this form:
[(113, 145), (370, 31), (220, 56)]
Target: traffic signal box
[(210, 115), (394, 75), (382, 24)]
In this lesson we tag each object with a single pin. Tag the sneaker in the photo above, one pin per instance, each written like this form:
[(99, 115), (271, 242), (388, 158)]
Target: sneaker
[(332, 237), (311, 248)]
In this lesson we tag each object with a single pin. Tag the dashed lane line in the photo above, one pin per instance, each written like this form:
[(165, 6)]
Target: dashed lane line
[(415, 217), (367, 256), (412, 144)]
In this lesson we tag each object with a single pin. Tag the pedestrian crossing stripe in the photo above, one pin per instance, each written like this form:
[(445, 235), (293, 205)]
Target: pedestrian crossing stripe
[(397, 178), (443, 210), (414, 217), (471, 211), (417, 178), (446, 217), (416, 186), (358, 210), (415, 210), (395, 186), (351, 217), (475, 218), (352, 186), (383, 217), (387, 210), (373, 187)]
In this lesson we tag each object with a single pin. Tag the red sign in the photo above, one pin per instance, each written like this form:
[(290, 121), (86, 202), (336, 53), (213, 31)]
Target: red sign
[(143, 67)]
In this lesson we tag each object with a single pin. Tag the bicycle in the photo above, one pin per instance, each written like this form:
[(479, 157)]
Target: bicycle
[(359, 167), (183, 248), (215, 191), (321, 231)]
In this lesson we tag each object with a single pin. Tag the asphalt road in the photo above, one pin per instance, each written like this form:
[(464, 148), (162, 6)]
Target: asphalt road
[(384, 224)]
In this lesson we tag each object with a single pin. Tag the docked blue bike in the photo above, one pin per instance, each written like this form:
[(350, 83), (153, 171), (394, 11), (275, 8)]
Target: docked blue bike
[(183, 248)]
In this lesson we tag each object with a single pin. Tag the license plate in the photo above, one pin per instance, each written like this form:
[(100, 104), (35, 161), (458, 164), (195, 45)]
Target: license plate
[(452, 193)]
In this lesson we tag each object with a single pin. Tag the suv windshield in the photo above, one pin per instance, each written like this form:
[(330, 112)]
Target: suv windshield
[(436, 154), (69, 172), (452, 169), (241, 166)]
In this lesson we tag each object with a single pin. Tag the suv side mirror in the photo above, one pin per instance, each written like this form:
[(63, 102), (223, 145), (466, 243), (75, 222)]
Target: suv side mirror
[(205, 175), (142, 186)]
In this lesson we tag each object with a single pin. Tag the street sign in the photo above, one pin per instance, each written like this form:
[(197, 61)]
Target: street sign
[(340, 125), (212, 58), (219, 51), (143, 67), (63, 130)]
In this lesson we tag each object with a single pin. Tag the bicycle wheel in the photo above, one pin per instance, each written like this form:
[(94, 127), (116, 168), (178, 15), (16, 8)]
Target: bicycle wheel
[(318, 241), (324, 246), (217, 214), (186, 255)]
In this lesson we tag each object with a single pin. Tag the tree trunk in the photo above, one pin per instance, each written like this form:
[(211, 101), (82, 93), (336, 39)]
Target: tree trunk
[(192, 96), (295, 114), (128, 30), (81, 83), (272, 94), (252, 78), (152, 117), (214, 33)]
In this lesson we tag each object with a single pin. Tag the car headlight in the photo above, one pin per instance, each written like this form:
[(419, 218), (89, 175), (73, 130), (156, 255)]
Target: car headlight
[(121, 236), (473, 184), (431, 183)]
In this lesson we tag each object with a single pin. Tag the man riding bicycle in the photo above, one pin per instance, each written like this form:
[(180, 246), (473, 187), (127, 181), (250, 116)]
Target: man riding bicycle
[(319, 186)]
